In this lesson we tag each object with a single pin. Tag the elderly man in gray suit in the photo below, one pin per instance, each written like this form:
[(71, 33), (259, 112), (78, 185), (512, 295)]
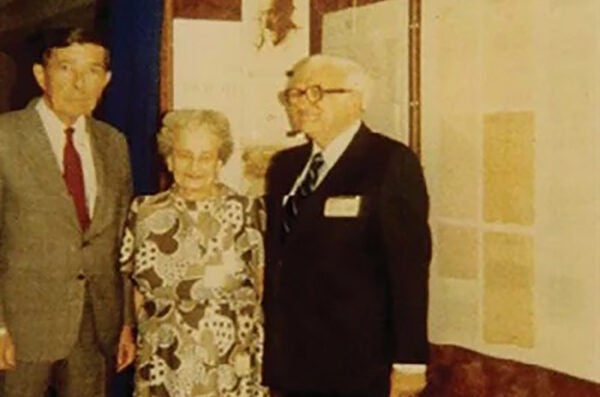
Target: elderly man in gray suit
[(65, 187)]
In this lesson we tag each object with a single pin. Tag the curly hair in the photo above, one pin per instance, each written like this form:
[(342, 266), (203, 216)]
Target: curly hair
[(192, 119)]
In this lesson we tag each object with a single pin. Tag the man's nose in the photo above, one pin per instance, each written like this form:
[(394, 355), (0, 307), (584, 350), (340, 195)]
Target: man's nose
[(78, 79), (301, 103), (196, 165)]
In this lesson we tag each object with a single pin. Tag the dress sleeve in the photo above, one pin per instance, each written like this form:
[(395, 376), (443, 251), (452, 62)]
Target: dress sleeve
[(127, 254), (256, 222), (127, 262)]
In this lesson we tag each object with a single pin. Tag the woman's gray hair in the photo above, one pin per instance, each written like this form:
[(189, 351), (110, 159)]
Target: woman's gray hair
[(189, 119)]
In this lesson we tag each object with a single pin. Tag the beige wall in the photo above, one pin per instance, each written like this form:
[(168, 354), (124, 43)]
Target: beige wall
[(511, 148)]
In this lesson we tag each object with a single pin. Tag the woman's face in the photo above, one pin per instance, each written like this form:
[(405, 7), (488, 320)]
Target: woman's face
[(195, 162)]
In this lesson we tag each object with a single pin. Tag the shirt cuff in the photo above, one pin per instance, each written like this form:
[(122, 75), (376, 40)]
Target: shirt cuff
[(410, 368)]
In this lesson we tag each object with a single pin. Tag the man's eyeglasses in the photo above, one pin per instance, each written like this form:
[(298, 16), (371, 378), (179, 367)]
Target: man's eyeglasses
[(313, 94)]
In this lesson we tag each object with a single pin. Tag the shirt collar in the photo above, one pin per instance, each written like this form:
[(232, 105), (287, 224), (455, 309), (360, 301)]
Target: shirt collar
[(334, 150), (53, 123)]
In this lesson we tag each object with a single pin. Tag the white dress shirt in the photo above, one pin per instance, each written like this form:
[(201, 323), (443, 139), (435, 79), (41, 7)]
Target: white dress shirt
[(55, 128), (331, 154)]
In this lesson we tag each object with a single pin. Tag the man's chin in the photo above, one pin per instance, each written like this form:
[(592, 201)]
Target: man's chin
[(309, 132), (80, 111), (195, 187)]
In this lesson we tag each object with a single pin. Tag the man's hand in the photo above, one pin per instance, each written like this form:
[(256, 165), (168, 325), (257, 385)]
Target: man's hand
[(407, 384), (7, 352), (126, 350)]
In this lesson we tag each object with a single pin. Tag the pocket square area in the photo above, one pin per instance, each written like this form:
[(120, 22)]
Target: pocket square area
[(342, 207)]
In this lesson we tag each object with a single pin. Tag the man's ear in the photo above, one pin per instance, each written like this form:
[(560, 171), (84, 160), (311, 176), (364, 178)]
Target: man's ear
[(40, 75), (358, 103), (169, 162), (107, 78)]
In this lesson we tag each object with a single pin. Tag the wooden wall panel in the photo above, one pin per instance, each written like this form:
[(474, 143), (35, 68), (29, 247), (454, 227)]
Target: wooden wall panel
[(166, 59), (208, 9), (318, 8)]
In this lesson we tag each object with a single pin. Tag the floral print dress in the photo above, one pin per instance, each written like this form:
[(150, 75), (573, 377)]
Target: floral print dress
[(196, 264)]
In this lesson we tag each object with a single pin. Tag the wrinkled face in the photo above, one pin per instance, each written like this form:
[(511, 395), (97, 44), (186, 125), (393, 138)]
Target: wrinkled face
[(73, 80), (195, 162), (323, 120)]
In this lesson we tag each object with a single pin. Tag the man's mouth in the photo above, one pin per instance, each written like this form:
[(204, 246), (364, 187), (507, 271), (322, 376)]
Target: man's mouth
[(309, 117)]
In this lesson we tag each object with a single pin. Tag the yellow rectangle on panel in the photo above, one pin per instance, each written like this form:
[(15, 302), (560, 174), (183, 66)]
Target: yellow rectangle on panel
[(508, 316), (457, 248), (508, 260), (509, 140), (454, 314)]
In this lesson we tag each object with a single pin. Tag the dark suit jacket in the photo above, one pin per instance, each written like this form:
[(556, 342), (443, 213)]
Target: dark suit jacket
[(46, 262), (345, 297)]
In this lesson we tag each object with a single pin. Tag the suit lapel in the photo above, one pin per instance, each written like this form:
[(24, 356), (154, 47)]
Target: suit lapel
[(293, 168), (338, 180), (36, 153), (280, 184), (345, 170), (99, 147)]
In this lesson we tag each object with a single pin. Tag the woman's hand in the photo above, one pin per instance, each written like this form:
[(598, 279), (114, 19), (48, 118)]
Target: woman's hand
[(7, 352), (126, 349)]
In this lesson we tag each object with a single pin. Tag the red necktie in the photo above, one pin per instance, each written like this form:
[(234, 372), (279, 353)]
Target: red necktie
[(73, 175)]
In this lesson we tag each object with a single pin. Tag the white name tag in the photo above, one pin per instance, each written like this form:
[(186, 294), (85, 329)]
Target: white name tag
[(342, 207)]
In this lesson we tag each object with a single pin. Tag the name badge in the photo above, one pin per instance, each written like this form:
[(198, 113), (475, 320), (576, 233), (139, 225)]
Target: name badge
[(342, 207)]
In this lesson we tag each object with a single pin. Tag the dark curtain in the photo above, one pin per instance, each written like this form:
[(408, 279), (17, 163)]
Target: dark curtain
[(131, 102)]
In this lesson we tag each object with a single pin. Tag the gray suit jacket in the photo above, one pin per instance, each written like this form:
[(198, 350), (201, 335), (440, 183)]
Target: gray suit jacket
[(47, 265)]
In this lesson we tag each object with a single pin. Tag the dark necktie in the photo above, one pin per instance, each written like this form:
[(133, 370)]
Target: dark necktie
[(292, 206), (73, 174)]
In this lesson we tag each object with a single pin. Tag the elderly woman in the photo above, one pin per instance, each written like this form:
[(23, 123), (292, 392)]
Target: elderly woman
[(193, 257)]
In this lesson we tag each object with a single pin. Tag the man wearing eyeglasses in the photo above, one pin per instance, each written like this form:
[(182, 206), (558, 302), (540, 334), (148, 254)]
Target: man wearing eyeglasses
[(348, 247)]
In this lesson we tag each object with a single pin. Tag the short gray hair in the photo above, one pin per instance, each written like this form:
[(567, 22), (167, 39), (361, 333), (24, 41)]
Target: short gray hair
[(187, 119), (356, 77)]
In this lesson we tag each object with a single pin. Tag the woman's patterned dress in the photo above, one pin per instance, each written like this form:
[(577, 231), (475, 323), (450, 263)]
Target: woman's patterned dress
[(197, 266)]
